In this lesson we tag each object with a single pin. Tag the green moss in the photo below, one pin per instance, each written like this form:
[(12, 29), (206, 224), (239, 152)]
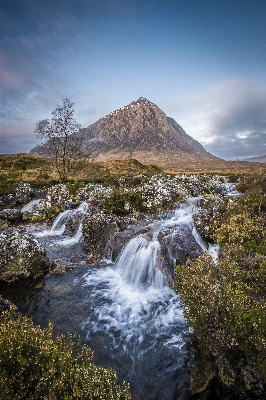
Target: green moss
[(123, 203)]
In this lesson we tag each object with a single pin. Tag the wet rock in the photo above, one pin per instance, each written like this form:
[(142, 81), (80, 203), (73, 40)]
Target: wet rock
[(119, 239), (4, 225), (104, 235), (57, 195), (176, 247), (202, 374), (21, 256), (73, 223), (217, 378), (97, 230), (5, 305), (22, 195), (57, 268), (27, 210), (11, 215)]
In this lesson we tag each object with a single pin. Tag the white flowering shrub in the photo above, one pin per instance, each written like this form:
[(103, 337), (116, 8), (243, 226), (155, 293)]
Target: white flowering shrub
[(93, 191)]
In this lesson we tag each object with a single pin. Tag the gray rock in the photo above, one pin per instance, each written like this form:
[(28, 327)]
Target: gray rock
[(104, 235), (10, 214), (177, 247), (22, 195), (21, 256)]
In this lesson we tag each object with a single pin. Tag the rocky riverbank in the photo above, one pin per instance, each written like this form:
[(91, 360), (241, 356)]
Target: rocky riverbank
[(125, 209)]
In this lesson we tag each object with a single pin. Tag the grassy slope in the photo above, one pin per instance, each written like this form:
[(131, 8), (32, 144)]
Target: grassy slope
[(40, 172)]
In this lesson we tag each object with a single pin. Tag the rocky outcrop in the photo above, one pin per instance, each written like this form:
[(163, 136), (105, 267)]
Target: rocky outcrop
[(21, 256), (177, 247), (11, 215), (217, 379), (104, 235), (23, 193)]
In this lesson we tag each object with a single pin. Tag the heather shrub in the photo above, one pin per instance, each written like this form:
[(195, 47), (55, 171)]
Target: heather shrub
[(33, 365), (225, 307), (225, 302)]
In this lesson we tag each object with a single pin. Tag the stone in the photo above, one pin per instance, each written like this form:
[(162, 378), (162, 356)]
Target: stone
[(11, 215), (104, 235), (176, 247), (22, 195), (21, 256), (202, 374)]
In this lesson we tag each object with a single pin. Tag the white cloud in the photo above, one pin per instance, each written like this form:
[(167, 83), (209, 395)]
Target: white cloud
[(229, 119)]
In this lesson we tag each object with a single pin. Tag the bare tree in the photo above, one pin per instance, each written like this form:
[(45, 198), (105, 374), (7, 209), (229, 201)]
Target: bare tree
[(62, 144)]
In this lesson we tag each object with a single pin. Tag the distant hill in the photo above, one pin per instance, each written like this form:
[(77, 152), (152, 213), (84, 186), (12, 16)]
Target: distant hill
[(259, 159)]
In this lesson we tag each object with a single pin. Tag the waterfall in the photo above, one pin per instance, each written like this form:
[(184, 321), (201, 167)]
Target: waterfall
[(138, 262), (59, 225), (67, 241), (126, 313)]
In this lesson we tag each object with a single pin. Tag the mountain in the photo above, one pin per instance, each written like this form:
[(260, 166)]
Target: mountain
[(259, 159), (141, 125), (141, 130)]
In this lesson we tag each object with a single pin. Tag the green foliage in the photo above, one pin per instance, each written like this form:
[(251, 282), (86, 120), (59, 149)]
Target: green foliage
[(123, 203), (224, 307), (225, 303), (25, 162), (33, 365), (7, 182)]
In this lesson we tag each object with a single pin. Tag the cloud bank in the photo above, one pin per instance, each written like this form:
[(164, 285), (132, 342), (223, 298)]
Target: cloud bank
[(229, 119)]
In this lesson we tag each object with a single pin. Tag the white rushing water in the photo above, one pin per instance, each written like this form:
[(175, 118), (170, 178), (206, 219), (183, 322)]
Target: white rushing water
[(134, 296), (135, 320), (138, 264), (59, 225)]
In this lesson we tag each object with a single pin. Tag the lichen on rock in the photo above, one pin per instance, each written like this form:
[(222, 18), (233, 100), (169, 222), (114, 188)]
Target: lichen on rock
[(21, 256)]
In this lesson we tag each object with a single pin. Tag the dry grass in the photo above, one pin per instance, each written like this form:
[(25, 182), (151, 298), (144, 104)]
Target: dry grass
[(179, 161), (40, 172)]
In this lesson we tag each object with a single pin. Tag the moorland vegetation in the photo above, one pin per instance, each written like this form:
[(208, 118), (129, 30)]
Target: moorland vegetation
[(224, 301)]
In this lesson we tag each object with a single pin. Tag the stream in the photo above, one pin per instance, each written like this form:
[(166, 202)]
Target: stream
[(125, 312)]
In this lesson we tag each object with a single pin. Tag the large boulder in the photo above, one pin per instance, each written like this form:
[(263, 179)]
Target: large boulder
[(56, 196), (21, 256), (104, 235)]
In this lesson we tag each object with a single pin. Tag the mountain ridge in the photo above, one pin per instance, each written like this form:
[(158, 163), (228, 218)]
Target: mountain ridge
[(258, 159)]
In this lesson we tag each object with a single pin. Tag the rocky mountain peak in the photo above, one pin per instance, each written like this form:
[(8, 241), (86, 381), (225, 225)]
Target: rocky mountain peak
[(139, 130), (138, 126)]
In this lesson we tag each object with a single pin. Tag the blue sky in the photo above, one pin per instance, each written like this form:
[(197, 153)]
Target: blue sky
[(203, 62)]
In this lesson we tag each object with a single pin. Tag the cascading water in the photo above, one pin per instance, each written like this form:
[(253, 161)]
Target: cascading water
[(138, 264), (135, 323), (127, 313), (59, 225)]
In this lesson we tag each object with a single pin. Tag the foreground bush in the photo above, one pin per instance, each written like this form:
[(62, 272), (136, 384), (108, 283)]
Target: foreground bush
[(33, 365)]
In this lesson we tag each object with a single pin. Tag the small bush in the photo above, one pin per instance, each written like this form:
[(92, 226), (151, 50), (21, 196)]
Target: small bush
[(33, 365), (27, 162), (123, 203)]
